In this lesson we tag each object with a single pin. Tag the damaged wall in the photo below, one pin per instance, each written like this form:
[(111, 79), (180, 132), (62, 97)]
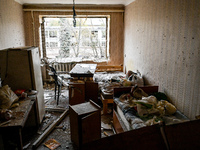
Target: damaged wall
[(116, 12), (162, 42), (11, 24)]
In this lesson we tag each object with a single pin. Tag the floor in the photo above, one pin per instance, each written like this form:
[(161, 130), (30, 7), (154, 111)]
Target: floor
[(61, 133)]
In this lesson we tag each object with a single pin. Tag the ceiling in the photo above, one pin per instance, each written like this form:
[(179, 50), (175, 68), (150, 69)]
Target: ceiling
[(124, 2)]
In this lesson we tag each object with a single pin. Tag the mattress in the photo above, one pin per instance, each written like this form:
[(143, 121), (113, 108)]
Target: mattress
[(107, 80), (128, 115)]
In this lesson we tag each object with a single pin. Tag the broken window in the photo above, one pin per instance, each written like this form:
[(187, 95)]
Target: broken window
[(87, 41)]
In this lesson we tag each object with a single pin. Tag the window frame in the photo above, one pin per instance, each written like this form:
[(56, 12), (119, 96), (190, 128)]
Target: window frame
[(107, 33)]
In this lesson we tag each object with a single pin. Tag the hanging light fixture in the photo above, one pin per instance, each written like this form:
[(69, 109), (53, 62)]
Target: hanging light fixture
[(74, 14)]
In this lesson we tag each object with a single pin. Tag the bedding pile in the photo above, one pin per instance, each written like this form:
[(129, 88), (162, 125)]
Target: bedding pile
[(107, 80), (141, 109)]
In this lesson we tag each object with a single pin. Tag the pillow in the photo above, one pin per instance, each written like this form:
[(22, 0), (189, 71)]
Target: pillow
[(7, 97)]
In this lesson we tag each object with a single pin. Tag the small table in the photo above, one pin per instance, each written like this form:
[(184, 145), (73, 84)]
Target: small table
[(82, 88), (83, 70), (13, 129)]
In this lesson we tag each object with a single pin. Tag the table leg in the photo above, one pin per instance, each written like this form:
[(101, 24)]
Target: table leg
[(19, 140), (105, 106)]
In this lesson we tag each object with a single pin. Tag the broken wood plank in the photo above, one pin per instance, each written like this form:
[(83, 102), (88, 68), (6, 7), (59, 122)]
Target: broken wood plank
[(45, 127), (48, 130), (3, 123), (55, 109)]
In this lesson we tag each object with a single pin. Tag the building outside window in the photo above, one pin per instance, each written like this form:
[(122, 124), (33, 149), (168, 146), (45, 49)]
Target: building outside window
[(53, 34), (86, 41)]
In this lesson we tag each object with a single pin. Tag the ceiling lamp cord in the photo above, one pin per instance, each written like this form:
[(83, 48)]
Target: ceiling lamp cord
[(74, 14)]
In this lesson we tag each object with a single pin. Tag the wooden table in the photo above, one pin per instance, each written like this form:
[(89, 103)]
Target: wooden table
[(82, 88), (83, 70), (12, 131), (106, 98)]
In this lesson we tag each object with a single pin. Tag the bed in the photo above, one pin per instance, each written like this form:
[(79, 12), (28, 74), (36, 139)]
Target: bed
[(109, 77), (126, 118), (183, 134)]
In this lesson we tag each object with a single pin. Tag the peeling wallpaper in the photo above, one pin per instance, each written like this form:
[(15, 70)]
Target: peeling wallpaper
[(162, 41), (11, 24)]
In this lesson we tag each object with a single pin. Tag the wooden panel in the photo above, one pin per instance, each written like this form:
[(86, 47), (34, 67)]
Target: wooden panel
[(91, 127), (162, 42), (184, 135), (76, 93), (143, 138), (147, 89), (116, 39), (85, 123), (101, 68), (74, 126), (91, 91), (79, 7), (117, 125)]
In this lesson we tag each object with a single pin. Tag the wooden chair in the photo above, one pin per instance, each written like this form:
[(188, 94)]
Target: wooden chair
[(58, 84), (59, 79)]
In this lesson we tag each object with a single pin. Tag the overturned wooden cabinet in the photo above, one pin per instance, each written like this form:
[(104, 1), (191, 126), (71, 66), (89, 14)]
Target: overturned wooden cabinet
[(85, 123), (20, 69)]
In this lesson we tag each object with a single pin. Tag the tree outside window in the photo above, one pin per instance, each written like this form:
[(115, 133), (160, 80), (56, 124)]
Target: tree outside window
[(88, 40)]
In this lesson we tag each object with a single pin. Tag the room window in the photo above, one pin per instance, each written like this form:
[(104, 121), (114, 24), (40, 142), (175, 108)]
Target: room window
[(87, 41)]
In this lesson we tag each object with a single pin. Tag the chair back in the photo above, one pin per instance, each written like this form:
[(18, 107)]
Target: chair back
[(55, 75)]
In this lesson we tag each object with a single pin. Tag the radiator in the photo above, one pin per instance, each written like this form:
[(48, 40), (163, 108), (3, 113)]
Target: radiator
[(59, 67), (63, 67)]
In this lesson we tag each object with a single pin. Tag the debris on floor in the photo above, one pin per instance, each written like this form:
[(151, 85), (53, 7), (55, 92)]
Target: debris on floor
[(60, 132), (106, 126), (50, 129), (52, 144)]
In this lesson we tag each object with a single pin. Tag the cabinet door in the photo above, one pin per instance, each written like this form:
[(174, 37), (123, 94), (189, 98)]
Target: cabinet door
[(91, 127), (76, 93), (91, 91), (37, 84)]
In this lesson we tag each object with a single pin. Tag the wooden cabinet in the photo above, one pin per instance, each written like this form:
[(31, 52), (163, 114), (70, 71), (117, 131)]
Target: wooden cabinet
[(80, 92), (76, 92), (88, 89), (85, 122), (20, 69)]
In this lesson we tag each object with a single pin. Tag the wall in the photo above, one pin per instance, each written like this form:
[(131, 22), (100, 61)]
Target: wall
[(11, 24), (32, 25), (162, 42)]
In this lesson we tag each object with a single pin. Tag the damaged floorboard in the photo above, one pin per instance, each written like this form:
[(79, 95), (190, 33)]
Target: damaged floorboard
[(59, 131)]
